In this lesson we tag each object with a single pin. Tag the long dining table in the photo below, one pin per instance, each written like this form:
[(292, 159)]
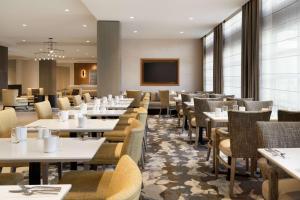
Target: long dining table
[(32, 151)]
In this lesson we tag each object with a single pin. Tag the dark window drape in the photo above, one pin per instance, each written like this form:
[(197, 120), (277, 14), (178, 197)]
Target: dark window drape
[(250, 50), (202, 57), (218, 59)]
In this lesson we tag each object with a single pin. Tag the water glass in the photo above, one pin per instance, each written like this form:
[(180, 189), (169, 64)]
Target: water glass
[(13, 136), (224, 108), (242, 108), (235, 107)]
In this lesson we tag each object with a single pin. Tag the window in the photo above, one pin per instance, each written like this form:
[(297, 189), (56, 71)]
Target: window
[(208, 62), (232, 32), (280, 53)]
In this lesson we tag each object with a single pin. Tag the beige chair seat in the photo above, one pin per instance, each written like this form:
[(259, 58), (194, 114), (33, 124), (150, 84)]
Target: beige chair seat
[(87, 185), (64, 134), (193, 122), (225, 147), (109, 153), (10, 178), (181, 112), (288, 189), (172, 103), (116, 135)]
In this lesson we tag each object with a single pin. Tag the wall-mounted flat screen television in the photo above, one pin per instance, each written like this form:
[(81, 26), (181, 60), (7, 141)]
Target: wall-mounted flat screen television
[(159, 71)]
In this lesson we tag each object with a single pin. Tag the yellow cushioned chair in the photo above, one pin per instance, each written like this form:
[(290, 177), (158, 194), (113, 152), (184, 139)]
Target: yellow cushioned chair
[(8, 121), (10, 178), (110, 153), (87, 97), (137, 95), (43, 110), (77, 100), (64, 103), (124, 183)]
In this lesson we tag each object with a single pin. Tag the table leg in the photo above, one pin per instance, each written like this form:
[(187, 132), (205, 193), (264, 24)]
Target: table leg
[(94, 134), (186, 127), (34, 173), (73, 165)]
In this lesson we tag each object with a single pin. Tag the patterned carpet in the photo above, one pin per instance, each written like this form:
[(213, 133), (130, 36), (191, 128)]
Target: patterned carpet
[(175, 169)]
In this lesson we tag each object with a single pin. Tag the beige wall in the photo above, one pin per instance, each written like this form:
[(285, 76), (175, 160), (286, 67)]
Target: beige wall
[(62, 77), (187, 50)]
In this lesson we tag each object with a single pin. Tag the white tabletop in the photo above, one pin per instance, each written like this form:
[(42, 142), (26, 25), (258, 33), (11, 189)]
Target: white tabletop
[(32, 150), (120, 106), (177, 99), (5, 194), (189, 103), (71, 125), (223, 117), (290, 163), (98, 113)]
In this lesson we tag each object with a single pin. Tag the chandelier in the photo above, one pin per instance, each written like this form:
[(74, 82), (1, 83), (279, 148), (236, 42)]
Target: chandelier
[(49, 52)]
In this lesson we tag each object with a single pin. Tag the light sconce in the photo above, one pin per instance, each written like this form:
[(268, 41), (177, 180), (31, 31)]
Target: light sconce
[(83, 73)]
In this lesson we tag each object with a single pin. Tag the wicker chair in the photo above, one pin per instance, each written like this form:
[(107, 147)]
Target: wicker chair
[(242, 142), (137, 95), (211, 125), (288, 116), (165, 103), (186, 110), (278, 135), (240, 101), (257, 105)]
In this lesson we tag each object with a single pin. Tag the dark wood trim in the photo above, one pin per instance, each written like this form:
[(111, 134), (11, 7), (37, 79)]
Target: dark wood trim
[(143, 83)]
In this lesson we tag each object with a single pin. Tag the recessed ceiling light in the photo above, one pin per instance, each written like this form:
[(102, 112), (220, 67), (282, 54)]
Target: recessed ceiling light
[(84, 25), (77, 50), (93, 56), (191, 18), (87, 41), (181, 32), (67, 10), (24, 25), (86, 53), (132, 17), (135, 31), (41, 49), (23, 40)]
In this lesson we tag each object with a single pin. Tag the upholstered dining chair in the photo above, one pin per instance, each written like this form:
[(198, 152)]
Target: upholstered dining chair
[(277, 184), (77, 100), (43, 110), (110, 153), (186, 110), (242, 142), (10, 178), (137, 95), (165, 103), (10, 99), (123, 183), (63, 103), (8, 121), (240, 101), (87, 97), (212, 125), (257, 105), (288, 116)]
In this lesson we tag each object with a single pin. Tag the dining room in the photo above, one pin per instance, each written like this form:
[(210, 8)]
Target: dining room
[(111, 100)]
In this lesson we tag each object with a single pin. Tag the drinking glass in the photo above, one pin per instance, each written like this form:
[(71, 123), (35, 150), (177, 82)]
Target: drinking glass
[(13, 136), (235, 107), (224, 108)]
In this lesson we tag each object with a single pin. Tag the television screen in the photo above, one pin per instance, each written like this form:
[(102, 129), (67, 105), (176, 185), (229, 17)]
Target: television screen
[(159, 71)]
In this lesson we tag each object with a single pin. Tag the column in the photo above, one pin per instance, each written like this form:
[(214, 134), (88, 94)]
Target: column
[(108, 58), (3, 69), (47, 76)]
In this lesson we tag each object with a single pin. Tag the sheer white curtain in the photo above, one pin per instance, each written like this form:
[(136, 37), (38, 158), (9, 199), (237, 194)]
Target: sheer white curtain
[(208, 62), (232, 30), (280, 53)]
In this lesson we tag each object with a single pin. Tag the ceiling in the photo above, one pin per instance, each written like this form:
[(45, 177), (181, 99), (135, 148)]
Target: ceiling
[(164, 18), (153, 19), (44, 19)]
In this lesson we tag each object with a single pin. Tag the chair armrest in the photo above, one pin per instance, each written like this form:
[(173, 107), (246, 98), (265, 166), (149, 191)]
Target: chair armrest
[(269, 173), (222, 132)]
